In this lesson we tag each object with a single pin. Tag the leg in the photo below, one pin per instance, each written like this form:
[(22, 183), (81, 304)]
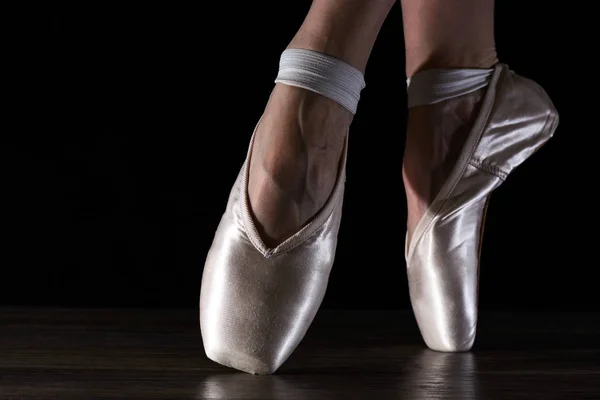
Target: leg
[(300, 139), (450, 50), (441, 34), (255, 309)]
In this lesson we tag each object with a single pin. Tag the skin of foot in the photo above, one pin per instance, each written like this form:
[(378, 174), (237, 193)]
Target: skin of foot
[(294, 160), (298, 145), (441, 34), (435, 137)]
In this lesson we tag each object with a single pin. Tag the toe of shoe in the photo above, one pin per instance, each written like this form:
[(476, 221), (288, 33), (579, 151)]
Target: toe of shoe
[(236, 359), (450, 344)]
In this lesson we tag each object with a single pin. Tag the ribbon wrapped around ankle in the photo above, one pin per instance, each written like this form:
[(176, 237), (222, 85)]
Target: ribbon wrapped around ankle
[(435, 85), (322, 74)]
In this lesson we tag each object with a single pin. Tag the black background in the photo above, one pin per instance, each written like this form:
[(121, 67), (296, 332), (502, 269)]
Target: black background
[(129, 125)]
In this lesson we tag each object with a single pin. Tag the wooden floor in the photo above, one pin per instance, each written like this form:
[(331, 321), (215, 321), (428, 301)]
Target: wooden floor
[(145, 354)]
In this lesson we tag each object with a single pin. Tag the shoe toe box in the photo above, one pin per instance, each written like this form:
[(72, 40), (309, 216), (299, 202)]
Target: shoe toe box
[(443, 285), (255, 309)]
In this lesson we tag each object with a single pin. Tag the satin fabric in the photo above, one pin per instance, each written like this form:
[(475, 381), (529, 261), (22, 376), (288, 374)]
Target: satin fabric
[(436, 85), (323, 74), (256, 303), (515, 119)]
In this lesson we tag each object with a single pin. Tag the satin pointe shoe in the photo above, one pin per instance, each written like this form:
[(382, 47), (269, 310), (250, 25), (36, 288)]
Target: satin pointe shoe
[(256, 302), (515, 119)]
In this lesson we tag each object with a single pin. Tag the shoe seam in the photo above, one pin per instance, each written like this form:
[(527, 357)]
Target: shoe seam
[(294, 244), (489, 168), (319, 220), (552, 116), (497, 171), (471, 151)]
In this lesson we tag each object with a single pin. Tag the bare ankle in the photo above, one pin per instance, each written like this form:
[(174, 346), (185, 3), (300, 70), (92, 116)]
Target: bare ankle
[(324, 123), (300, 152), (295, 160), (450, 58), (343, 29), (436, 135)]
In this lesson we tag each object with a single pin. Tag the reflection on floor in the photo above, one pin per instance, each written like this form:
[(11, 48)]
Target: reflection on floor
[(146, 354)]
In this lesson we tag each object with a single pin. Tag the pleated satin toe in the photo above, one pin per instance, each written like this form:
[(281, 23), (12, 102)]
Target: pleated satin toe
[(256, 303), (516, 118)]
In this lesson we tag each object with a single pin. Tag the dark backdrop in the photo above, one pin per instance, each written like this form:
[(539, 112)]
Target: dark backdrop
[(131, 123)]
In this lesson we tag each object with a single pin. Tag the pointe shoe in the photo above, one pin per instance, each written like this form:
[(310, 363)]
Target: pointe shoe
[(516, 118), (257, 303)]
